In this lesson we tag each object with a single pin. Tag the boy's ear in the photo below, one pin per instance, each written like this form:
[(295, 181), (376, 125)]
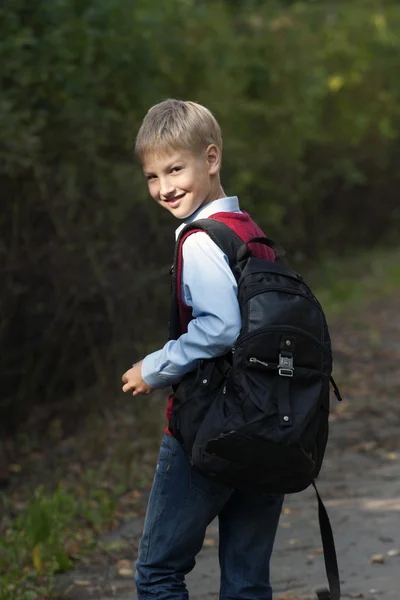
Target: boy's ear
[(213, 158)]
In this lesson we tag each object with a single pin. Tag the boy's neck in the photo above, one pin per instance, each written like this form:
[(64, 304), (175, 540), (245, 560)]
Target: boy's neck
[(215, 195)]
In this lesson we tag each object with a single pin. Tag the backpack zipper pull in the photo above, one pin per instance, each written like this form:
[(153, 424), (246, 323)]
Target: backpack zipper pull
[(252, 359)]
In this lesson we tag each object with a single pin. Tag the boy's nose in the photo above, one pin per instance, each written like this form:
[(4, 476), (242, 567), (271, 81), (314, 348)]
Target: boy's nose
[(166, 189)]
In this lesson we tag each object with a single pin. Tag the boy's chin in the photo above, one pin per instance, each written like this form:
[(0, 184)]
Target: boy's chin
[(182, 214)]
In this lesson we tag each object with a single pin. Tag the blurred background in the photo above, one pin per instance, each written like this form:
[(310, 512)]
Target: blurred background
[(308, 98)]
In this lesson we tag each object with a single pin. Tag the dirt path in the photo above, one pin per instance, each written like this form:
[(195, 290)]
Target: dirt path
[(360, 484)]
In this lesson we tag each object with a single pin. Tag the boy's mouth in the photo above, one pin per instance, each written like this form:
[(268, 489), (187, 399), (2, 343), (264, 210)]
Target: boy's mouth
[(173, 202)]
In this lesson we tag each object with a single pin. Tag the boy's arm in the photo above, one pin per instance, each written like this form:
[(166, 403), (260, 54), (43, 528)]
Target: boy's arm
[(210, 288)]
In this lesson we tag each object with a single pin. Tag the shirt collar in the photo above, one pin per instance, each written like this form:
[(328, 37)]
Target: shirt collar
[(227, 204)]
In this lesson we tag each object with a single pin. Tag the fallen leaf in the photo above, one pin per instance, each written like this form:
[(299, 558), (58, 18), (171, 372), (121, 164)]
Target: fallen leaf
[(71, 547), (391, 456), (125, 572), (81, 582), (394, 552), (209, 542), (124, 564), (115, 545), (15, 468), (365, 446), (37, 560), (378, 559)]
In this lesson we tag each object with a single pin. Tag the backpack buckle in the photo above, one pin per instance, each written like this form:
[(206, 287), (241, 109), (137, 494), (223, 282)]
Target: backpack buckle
[(285, 367)]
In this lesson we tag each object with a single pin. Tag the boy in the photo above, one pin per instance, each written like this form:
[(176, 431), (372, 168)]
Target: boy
[(179, 146)]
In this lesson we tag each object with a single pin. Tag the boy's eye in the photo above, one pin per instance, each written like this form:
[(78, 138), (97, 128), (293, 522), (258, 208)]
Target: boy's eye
[(150, 177), (176, 169)]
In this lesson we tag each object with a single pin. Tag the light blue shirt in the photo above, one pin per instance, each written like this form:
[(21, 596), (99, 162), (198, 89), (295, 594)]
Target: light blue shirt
[(209, 287)]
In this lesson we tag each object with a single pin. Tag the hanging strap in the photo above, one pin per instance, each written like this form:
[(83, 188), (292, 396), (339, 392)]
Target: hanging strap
[(336, 390), (328, 544)]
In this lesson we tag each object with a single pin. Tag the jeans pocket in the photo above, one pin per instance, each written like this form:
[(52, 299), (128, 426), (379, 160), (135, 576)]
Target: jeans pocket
[(167, 453), (207, 488)]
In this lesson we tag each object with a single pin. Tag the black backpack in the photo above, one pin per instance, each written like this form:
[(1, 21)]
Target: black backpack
[(257, 418)]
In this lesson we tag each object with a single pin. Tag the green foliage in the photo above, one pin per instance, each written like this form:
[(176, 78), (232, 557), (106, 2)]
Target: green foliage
[(307, 94), (48, 536), (344, 286)]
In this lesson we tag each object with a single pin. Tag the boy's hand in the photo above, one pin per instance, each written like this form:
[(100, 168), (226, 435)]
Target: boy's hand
[(133, 381)]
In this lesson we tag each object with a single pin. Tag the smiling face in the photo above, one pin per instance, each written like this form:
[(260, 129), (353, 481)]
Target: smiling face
[(182, 181)]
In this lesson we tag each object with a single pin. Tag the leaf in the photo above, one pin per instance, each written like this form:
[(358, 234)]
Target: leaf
[(71, 547), (14, 468), (287, 511), (209, 542), (335, 82), (391, 456), (124, 564), (82, 582), (125, 572), (378, 559), (115, 545), (37, 559)]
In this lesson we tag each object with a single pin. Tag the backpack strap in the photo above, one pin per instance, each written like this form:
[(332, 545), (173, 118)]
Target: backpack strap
[(279, 252), (328, 544), (336, 390), (221, 234), (229, 242)]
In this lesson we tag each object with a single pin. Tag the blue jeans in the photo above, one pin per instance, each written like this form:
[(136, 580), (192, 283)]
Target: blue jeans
[(182, 503)]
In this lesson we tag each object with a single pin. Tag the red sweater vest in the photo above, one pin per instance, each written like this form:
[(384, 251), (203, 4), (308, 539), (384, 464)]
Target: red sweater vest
[(245, 228)]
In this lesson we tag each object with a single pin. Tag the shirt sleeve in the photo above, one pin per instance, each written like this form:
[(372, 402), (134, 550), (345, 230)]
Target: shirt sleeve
[(210, 288)]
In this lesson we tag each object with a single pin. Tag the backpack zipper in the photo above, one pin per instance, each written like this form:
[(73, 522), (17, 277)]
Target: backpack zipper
[(312, 299), (284, 329), (252, 359)]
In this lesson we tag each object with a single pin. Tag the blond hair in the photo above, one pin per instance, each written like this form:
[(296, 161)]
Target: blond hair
[(177, 124)]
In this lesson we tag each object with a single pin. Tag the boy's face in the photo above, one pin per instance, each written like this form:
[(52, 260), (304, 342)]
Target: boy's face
[(182, 181)]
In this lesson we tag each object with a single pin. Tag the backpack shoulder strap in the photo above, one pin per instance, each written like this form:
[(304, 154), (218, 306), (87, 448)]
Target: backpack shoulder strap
[(230, 243), (222, 235)]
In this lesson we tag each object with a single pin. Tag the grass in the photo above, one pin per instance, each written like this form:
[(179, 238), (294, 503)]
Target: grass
[(48, 529), (74, 492), (52, 532)]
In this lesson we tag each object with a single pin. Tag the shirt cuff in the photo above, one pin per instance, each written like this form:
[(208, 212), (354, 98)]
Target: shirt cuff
[(150, 373)]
